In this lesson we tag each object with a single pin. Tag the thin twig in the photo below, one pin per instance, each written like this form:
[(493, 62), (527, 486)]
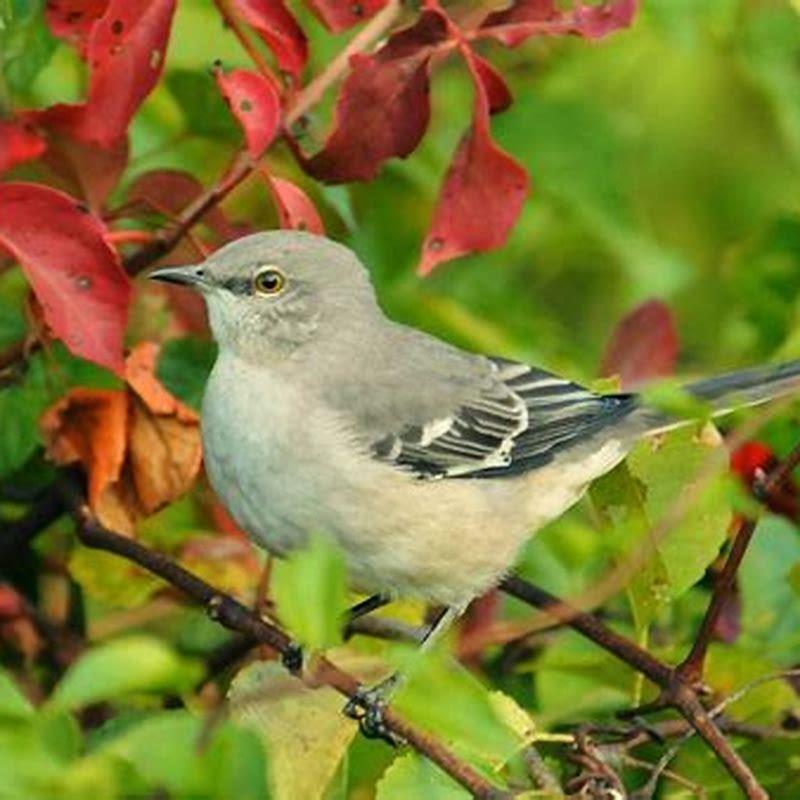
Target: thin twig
[(315, 90)]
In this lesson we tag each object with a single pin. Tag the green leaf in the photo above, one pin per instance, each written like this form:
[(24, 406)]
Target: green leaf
[(201, 103), (620, 500), (303, 730), (310, 593), (669, 469), (472, 720), (120, 668), (770, 611), (112, 580), (23, 402), (26, 43), (13, 703), (189, 757), (411, 776), (184, 366)]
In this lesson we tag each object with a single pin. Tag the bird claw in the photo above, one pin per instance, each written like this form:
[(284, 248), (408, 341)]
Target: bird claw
[(367, 707)]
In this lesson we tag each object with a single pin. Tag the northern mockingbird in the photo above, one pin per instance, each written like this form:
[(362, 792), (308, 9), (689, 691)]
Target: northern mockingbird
[(430, 466)]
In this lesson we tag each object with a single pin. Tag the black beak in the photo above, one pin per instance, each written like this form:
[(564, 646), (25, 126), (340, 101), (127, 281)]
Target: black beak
[(191, 276)]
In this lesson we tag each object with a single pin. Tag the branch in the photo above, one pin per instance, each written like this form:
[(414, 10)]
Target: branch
[(767, 490), (235, 616), (674, 691), (14, 535)]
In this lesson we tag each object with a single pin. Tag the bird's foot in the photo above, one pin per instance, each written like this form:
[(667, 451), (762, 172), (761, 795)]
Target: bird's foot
[(367, 707)]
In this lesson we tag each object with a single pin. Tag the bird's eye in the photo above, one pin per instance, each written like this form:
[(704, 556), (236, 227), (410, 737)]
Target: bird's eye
[(269, 281)]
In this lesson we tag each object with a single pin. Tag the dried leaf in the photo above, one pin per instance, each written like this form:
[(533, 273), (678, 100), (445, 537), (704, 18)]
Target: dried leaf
[(77, 277), (279, 30), (89, 427), (255, 103), (339, 15), (644, 345), (383, 107), (18, 142), (295, 209), (140, 448), (482, 193)]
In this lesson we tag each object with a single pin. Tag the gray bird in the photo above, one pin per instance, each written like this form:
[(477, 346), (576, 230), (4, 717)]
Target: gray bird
[(430, 466)]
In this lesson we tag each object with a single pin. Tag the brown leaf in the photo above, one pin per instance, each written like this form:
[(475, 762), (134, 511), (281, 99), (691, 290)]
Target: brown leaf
[(140, 448), (88, 427)]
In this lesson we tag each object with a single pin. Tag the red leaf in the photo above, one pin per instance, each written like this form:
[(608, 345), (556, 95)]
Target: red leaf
[(255, 103), (126, 55), (72, 20), (644, 345), (497, 91), (383, 107), (91, 171), (18, 143), (339, 15), (279, 30), (76, 276), (482, 194), (295, 209), (169, 191), (526, 18)]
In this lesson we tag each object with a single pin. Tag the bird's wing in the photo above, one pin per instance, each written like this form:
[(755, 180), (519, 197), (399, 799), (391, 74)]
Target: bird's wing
[(514, 423)]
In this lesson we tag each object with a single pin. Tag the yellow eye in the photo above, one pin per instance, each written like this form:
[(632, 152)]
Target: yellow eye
[(269, 281)]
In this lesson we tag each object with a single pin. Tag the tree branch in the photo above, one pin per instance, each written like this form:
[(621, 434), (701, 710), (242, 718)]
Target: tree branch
[(235, 616)]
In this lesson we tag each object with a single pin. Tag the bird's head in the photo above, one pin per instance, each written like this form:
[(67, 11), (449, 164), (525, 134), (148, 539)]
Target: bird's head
[(270, 293)]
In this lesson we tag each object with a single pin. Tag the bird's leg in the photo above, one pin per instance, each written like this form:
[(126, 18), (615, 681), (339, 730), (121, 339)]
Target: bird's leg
[(367, 606), (367, 704)]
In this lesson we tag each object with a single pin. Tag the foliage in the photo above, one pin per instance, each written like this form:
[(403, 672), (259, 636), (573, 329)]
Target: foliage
[(619, 185)]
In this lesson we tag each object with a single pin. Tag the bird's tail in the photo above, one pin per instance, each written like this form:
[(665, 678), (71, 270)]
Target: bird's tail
[(725, 393)]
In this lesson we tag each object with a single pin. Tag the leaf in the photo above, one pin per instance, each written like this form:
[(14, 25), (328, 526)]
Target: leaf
[(317, 575), (170, 191), (644, 345), (72, 20), (411, 775), (619, 498), (279, 30), (383, 107), (526, 18), (22, 402), (254, 101), (668, 467), (184, 366), (295, 209), (303, 729), (26, 44), (77, 277), (93, 171), (339, 15), (125, 52), (482, 193), (13, 704), (471, 719), (186, 757), (202, 106), (122, 667), (88, 426), (770, 611), (19, 142), (141, 448)]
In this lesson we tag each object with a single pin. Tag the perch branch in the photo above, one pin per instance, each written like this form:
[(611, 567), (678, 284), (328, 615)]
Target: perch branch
[(235, 616)]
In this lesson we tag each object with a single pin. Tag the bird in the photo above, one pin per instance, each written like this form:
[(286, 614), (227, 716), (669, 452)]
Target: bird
[(430, 466)]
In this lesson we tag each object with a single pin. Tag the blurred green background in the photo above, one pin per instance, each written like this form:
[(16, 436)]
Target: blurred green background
[(665, 162)]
